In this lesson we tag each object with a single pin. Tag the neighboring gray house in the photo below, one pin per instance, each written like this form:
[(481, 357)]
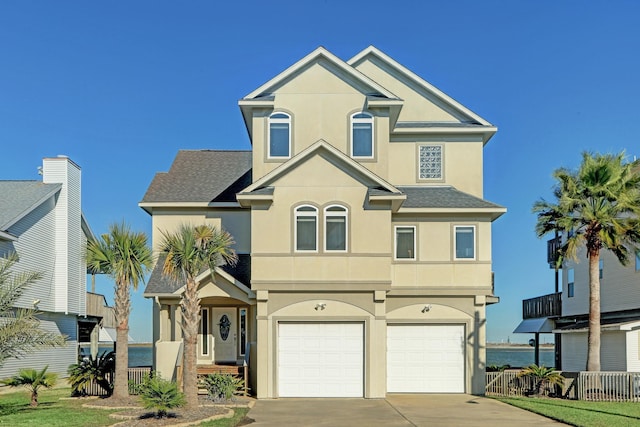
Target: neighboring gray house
[(42, 222)]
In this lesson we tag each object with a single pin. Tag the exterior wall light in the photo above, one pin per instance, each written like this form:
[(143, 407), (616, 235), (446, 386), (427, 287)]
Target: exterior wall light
[(426, 308), (321, 306)]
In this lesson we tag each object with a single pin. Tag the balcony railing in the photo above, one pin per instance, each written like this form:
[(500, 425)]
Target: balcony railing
[(544, 306), (552, 250)]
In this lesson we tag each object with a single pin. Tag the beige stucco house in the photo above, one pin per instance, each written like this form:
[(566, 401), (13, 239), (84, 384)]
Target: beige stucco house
[(364, 238)]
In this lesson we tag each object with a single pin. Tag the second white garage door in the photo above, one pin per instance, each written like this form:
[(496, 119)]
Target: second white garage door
[(320, 359), (425, 358)]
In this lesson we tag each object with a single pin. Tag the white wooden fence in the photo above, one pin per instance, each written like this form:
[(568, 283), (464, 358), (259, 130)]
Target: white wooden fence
[(593, 386)]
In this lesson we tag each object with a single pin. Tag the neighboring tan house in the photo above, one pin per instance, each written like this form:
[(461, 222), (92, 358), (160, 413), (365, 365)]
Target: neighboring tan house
[(364, 240), (42, 222)]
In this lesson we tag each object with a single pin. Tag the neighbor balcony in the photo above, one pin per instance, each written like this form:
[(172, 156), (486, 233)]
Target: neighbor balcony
[(543, 306)]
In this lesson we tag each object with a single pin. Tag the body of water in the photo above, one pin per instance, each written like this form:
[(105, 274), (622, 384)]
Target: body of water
[(138, 355), (519, 357)]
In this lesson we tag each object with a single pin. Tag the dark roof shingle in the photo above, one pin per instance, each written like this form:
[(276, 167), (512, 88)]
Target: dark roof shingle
[(443, 197), (202, 176), (17, 197)]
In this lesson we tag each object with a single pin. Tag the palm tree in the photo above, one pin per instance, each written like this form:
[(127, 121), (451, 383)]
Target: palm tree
[(33, 380), (20, 331), (188, 252), (597, 207), (125, 256)]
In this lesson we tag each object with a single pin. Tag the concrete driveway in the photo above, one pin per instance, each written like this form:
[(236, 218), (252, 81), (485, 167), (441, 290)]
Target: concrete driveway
[(397, 410)]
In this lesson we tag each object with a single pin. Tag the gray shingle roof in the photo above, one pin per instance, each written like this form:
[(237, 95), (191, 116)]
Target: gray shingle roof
[(160, 284), (18, 197), (437, 124), (202, 176), (442, 197)]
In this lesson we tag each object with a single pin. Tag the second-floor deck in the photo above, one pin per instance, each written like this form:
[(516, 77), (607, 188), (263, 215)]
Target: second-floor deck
[(542, 306)]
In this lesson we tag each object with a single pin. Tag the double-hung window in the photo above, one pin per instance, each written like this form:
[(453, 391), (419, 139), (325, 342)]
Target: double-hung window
[(405, 242), (335, 228), (465, 242), (279, 136), (306, 228), (362, 135)]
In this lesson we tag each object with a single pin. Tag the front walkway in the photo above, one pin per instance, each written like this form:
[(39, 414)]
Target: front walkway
[(397, 410)]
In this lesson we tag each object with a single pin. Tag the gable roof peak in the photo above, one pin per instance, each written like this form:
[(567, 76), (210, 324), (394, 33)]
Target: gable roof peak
[(319, 52)]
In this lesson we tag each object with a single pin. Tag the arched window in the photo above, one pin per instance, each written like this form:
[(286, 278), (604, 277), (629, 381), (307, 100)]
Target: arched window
[(362, 135), (335, 228), (279, 135), (306, 228)]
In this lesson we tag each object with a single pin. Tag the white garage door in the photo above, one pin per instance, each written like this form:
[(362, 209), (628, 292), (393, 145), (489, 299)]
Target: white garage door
[(320, 359), (425, 358)]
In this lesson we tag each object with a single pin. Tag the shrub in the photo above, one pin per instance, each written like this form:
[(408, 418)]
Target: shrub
[(221, 387), (89, 369), (542, 377), (161, 395)]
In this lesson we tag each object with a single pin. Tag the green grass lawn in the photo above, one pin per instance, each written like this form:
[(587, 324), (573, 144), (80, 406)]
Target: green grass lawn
[(581, 413), (51, 411)]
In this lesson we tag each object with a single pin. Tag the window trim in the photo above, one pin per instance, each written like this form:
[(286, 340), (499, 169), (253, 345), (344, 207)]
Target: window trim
[(455, 244), (395, 243), (369, 119), (297, 214), (638, 260), (344, 214), (272, 120), (421, 179)]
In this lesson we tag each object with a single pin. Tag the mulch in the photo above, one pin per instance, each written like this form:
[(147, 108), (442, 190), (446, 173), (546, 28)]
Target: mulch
[(133, 414)]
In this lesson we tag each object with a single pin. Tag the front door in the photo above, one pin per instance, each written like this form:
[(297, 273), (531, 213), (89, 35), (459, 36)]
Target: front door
[(225, 334)]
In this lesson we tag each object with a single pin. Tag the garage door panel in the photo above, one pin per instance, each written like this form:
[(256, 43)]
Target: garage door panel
[(320, 359), (425, 358)]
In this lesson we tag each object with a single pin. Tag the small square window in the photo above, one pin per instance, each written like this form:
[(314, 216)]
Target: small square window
[(405, 243), (465, 242), (570, 290)]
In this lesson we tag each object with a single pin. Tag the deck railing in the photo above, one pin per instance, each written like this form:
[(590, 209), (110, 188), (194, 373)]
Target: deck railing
[(593, 386), (543, 306)]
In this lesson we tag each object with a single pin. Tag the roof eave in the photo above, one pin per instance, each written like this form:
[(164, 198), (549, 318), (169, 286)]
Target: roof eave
[(495, 213), (487, 132), (245, 199), (7, 236)]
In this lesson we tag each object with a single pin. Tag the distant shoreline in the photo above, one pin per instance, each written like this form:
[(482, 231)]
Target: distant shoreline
[(513, 346)]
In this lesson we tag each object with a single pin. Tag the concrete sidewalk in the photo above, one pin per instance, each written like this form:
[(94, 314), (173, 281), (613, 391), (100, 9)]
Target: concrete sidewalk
[(397, 410)]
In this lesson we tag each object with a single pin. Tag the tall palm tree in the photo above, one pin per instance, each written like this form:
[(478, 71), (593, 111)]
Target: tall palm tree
[(189, 251), (125, 256), (597, 207), (33, 380)]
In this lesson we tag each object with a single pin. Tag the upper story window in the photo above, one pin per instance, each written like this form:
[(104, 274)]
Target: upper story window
[(570, 283), (279, 136), (335, 237), (362, 135), (405, 242), (430, 162), (638, 260), (306, 228), (465, 242)]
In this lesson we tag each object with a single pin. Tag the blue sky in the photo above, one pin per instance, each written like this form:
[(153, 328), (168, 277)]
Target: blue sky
[(119, 87)]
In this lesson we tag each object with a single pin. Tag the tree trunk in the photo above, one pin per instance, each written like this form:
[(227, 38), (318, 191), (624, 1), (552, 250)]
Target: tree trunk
[(34, 398), (122, 308), (593, 349), (190, 318)]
